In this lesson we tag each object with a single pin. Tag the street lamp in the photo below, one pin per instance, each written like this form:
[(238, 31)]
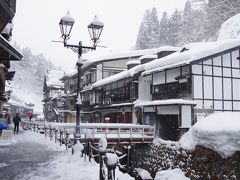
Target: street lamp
[(95, 30)]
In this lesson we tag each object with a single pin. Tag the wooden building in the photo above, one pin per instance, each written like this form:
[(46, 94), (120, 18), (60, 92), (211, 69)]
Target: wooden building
[(52, 90), (120, 91), (69, 96), (7, 52), (199, 79)]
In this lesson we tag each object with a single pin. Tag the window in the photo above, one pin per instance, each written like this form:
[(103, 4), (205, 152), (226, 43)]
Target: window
[(227, 105), (208, 62), (208, 90), (236, 92), (207, 70), (217, 61), (160, 88), (198, 87), (227, 88), (227, 72), (217, 88), (218, 105), (217, 71), (235, 61), (236, 73), (236, 105), (226, 60)]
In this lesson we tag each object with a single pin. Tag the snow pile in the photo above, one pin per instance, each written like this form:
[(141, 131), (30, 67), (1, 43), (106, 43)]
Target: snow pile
[(230, 29), (173, 174), (168, 143), (144, 174), (112, 159), (219, 132), (7, 142), (64, 165)]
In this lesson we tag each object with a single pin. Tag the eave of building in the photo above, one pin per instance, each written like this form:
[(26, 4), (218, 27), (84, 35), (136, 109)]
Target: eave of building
[(131, 55), (164, 102), (191, 56), (6, 10), (8, 52)]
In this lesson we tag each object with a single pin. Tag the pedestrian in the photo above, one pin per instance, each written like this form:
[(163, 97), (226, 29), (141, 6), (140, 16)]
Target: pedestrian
[(16, 120)]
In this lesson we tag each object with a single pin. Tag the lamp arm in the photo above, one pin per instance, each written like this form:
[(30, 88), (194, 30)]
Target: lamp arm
[(77, 46)]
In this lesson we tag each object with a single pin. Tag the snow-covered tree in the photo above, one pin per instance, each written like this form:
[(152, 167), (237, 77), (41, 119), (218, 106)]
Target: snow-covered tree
[(148, 35), (218, 11), (143, 37), (154, 29), (164, 29), (174, 28)]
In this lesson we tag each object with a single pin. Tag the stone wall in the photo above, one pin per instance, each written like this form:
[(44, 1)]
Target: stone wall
[(202, 163)]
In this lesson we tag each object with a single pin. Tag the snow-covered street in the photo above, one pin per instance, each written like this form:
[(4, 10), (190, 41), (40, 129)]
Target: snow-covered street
[(32, 156)]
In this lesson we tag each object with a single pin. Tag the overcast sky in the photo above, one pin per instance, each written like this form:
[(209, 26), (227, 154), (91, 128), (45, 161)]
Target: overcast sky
[(36, 24)]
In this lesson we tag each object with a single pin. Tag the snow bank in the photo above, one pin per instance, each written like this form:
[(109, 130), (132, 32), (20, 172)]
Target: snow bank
[(173, 174), (63, 165), (219, 132), (144, 174), (230, 29)]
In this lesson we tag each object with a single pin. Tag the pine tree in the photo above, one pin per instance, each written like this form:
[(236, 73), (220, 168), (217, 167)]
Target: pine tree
[(143, 37), (154, 29), (174, 28), (164, 29), (148, 36)]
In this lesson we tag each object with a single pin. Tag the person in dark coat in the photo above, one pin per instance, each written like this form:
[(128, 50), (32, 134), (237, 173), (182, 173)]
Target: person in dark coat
[(16, 120)]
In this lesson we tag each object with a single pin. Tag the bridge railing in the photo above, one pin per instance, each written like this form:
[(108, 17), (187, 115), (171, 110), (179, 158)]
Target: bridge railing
[(116, 132)]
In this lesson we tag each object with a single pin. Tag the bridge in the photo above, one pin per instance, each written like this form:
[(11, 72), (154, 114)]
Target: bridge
[(115, 133)]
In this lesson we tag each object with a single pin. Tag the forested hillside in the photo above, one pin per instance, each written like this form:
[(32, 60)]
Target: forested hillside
[(199, 21)]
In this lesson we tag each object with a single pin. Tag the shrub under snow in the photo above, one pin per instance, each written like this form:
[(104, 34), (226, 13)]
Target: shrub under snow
[(219, 132)]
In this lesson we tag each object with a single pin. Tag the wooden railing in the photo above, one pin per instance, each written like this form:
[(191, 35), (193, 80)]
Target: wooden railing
[(115, 133)]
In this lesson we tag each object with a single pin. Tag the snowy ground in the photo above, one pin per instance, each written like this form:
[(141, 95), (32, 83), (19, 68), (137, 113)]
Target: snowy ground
[(57, 164)]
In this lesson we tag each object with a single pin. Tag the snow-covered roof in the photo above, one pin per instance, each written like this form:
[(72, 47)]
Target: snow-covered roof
[(70, 73), (219, 132), (195, 52), (149, 56), (53, 78), (230, 29), (133, 62), (164, 102), (131, 72), (96, 58), (124, 74), (16, 103)]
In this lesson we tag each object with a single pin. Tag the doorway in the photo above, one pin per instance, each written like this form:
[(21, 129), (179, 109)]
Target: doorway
[(167, 126)]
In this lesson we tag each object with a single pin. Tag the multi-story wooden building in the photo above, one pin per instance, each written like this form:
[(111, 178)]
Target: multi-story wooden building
[(69, 96), (52, 91), (95, 69), (118, 92), (7, 51), (174, 91), (199, 79)]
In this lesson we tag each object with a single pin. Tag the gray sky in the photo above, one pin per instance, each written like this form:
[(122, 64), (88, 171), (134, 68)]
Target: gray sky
[(36, 24)]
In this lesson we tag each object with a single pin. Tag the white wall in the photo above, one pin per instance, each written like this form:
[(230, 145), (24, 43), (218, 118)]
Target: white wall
[(168, 110), (144, 87), (186, 117)]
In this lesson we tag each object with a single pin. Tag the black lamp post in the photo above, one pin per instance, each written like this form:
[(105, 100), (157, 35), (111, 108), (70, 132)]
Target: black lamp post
[(95, 30)]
